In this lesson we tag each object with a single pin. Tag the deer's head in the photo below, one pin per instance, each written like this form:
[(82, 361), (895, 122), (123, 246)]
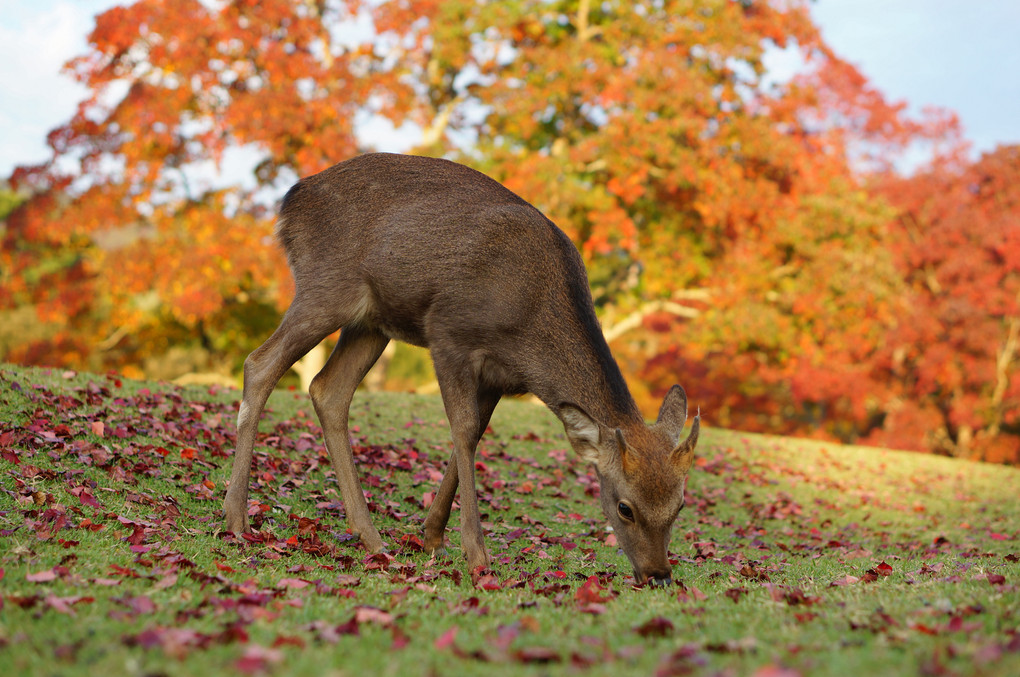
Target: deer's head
[(642, 476)]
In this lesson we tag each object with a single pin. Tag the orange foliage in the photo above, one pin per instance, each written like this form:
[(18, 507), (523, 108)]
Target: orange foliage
[(832, 297)]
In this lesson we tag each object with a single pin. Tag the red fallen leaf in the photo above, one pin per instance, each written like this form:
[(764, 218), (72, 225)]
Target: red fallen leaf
[(371, 614), (592, 608), (139, 605), (484, 579), (26, 602), (884, 569), (655, 627), (41, 576), (736, 593), (772, 670), (792, 596), (930, 570), (118, 569), (998, 537), (380, 561), (687, 594), (85, 497), (98, 428), (286, 640), (411, 543), (921, 627), (400, 639), (165, 582), (582, 661), (224, 567), (446, 639), (176, 642), (846, 580), (754, 573), (348, 628), (347, 581), (257, 659), (63, 604), (589, 592), (293, 583), (137, 536), (188, 453), (706, 549), (996, 579), (537, 654)]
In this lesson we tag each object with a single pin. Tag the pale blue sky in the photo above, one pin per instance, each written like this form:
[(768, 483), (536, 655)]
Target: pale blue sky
[(959, 54)]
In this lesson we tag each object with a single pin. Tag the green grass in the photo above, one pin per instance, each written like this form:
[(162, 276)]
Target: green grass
[(111, 558)]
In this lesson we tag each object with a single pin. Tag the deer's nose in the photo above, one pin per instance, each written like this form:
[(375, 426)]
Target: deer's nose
[(659, 578)]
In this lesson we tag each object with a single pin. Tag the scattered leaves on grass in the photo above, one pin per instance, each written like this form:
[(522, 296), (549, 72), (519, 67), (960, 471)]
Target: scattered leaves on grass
[(111, 511)]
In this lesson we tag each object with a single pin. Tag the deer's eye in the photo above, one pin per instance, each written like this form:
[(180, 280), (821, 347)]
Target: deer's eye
[(625, 512)]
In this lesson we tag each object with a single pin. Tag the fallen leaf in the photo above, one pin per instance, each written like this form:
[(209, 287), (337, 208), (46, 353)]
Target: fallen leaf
[(655, 627), (41, 576), (446, 639), (257, 659)]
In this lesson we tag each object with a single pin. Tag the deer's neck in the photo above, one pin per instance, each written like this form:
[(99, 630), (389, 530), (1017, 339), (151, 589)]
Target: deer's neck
[(585, 374)]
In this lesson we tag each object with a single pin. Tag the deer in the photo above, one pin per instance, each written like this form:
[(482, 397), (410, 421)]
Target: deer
[(435, 254)]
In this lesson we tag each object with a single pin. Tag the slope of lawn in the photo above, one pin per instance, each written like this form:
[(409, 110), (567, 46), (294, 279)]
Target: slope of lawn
[(791, 558)]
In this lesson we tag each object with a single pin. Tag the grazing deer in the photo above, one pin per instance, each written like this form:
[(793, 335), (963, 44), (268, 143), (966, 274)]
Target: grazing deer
[(438, 255)]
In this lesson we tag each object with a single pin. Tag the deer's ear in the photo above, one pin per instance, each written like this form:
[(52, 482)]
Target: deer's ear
[(673, 413), (582, 431)]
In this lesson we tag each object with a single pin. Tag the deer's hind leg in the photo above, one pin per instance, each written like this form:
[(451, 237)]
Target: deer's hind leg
[(302, 328), (332, 391)]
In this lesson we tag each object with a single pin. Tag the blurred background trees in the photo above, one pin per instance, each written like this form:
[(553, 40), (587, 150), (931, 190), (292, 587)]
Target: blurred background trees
[(774, 245)]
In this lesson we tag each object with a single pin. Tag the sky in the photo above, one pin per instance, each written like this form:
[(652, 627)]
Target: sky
[(963, 55)]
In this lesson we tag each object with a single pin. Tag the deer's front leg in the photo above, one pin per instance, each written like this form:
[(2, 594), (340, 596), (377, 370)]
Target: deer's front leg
[(468, 409), (471, 537), (439, 511)]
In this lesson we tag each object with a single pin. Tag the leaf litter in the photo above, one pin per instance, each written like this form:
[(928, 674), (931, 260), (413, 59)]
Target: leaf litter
[(108, 490)]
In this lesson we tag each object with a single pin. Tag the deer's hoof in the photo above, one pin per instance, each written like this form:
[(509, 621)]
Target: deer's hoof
[(237, 524), (373, 543)]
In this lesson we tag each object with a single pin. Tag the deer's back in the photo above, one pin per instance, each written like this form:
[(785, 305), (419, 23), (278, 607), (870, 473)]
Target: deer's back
[(422, 241)]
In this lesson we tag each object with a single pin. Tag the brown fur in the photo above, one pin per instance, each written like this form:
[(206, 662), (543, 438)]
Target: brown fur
[(435, 254)]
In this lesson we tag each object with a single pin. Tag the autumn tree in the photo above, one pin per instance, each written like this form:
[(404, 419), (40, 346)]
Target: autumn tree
[(719, 210), (153, 253), (952, 359), (735, 228)]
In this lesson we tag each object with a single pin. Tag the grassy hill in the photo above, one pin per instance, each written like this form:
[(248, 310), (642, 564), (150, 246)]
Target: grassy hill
[(791, 557)]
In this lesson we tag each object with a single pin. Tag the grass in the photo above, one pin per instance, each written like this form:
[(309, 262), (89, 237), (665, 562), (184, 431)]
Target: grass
[(792, 557)]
